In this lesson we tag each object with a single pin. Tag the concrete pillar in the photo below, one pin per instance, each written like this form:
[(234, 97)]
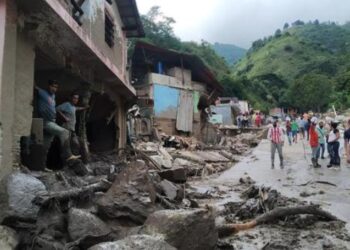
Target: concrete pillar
[(25, 61), (8, 26)]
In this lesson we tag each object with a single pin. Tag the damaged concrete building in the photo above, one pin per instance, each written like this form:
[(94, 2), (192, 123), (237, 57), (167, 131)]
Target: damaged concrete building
[(80, 43), (169, 85)]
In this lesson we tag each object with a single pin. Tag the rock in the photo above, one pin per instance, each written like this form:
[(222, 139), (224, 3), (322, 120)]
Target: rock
[(131, 195), (82, 223), (163, 162), (78, 167), (16, 194), (171, 191), (184, 229), (182, 162), (135, 242), (45, 242), (8, 238), (177, 175)]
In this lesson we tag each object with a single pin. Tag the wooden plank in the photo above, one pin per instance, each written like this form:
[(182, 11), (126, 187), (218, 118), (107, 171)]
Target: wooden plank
[(184, 120)]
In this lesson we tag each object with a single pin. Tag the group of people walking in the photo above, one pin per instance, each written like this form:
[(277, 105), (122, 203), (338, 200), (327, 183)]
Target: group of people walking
[(319, 138)]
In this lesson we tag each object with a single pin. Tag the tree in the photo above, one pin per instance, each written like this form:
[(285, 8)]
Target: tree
[(311, 92), (278, 33), (286, 26)]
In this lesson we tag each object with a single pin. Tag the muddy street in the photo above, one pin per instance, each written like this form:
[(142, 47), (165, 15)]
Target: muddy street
[(298, 180)]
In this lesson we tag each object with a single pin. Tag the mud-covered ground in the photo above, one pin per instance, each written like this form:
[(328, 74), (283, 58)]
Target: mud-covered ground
[(297, 184)]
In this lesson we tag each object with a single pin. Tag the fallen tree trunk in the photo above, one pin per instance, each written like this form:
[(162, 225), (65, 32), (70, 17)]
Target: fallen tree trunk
[(280, 212), (44, 198)]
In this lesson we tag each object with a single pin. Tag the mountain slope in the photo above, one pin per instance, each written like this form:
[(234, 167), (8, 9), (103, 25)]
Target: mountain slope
[(272, 65), (230, 52)]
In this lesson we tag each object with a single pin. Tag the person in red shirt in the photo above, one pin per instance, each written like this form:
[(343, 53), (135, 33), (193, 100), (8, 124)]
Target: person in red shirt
[(314, 143), (258, 120)]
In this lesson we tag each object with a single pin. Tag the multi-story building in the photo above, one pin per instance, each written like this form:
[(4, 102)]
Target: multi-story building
[(80, 43)]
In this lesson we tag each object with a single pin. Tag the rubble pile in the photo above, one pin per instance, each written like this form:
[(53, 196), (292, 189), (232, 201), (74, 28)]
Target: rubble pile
[(61, 210), (188, 156), (133, 197)]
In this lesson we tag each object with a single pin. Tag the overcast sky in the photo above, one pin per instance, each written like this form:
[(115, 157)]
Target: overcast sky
[(241, 22)]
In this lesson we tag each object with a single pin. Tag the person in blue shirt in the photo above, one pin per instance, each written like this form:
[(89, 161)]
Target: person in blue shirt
[(67, 111), (47, 111)]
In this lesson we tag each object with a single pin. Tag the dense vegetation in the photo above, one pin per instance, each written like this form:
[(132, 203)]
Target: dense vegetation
[(306, 66), (303, 65)]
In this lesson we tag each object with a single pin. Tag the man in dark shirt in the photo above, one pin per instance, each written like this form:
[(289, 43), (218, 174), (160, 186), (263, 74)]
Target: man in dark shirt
[(47, 111), (347, 141)]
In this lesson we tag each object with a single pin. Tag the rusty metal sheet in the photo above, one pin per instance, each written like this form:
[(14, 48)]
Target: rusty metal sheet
[(184, 120)]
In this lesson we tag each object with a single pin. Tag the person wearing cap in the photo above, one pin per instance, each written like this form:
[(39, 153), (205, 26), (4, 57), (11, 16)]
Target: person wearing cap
[(314, 143), (333, 144), (276, 136)]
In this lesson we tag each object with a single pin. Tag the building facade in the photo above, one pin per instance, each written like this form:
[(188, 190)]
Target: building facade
[(80, 43), (169, 85)]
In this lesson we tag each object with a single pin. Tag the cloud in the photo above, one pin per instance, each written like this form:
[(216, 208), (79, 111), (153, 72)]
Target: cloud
[(243, 21)]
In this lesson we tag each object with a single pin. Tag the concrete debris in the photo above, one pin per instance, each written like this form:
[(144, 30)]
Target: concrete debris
[(176, 174), (131, 196), (82, 223), (171, 191), (16, 195), (135, 242), (8, 238), (184, 229)]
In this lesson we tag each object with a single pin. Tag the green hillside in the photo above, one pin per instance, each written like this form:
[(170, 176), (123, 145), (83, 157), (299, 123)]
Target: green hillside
[(230, 52), (301, 54)]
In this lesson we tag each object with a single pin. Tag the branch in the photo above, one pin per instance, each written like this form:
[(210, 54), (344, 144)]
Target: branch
[(44, 198), (280, 212)]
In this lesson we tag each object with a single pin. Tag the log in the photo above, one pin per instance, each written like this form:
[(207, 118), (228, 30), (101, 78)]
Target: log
[(280, 212), (44, 198)]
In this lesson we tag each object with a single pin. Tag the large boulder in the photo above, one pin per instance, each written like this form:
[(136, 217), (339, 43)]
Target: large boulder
[(8, 238), (16, 194), (132, 195), (135, 242), (82, 223), (184, 229)]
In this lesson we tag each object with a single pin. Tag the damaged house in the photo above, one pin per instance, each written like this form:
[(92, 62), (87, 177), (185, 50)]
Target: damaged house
[(169, 85), (80, 43)]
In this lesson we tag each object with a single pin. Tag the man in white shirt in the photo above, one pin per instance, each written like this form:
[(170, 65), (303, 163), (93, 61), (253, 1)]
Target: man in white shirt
[(276, 136)]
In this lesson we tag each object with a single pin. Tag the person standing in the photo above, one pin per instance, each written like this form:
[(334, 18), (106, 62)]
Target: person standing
[(276, 137), (346, 142), (307, 124), (68, 110), (289, 131), (295, 129), (258, 120), (314, 143), (47, 111), (321, 139), (333, 144), (301, 126)]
